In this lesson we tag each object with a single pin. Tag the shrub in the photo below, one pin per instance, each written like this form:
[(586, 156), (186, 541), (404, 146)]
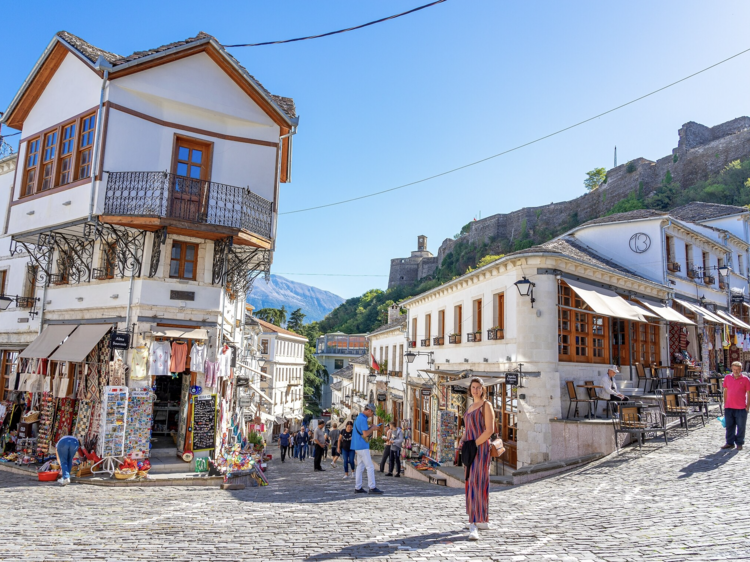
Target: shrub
[(631, 167), (675, 158), (377, 444)]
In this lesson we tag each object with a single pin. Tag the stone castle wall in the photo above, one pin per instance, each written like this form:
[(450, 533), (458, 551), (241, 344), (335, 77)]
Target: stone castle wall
[(701, 152)]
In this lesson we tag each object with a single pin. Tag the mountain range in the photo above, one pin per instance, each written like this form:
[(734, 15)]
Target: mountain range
[(280, 291)]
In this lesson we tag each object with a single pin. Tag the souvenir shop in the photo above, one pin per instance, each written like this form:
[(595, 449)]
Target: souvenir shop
[(69, 381), (177, 395)]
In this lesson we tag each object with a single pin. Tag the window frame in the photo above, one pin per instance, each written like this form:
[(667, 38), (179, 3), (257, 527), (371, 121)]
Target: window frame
[(56, 160), (3, 280), (5, 377), (580, 332), (182, 260)]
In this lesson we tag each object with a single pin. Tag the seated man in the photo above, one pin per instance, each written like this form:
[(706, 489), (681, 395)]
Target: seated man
[(609, 389)]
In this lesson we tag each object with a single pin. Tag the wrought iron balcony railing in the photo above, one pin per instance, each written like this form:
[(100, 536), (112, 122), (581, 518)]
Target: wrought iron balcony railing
[(426, 342), (495, 334), (440, 340), (163, 195)]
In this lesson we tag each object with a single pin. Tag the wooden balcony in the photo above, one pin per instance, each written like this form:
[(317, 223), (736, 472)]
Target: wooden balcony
[(440, 340), (192, 207), (455, 338)]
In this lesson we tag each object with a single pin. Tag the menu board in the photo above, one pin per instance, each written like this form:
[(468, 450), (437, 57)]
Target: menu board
[(138, 429), (204, 422), (112, 422)]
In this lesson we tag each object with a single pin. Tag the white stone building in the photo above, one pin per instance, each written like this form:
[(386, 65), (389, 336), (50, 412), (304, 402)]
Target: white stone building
[(586, 311), (145, 197), (283, 357)]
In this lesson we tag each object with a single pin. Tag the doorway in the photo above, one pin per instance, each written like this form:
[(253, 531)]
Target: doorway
[(191, 169)]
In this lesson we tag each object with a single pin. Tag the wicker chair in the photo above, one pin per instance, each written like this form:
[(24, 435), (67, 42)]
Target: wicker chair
[(695, 396), (715, 392), (674, 405)]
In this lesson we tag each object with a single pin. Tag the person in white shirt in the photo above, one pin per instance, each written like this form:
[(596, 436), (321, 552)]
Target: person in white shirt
[(609, 390)]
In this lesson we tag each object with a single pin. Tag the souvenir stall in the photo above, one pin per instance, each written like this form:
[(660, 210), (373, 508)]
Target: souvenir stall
[(71, 382)]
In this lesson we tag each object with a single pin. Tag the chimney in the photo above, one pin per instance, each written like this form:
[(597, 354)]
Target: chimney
[(393, 313)]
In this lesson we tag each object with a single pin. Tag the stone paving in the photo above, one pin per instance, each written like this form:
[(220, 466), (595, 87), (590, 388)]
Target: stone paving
[(684, 501)]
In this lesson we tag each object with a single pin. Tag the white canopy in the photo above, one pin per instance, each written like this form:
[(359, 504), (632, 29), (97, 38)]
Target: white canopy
[(668, 313), (48, 341), (710, 316), (80, 343), (184, 333), (733, 319), (606, 302)]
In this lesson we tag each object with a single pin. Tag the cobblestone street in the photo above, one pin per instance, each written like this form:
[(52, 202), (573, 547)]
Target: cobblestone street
[(685, 501)]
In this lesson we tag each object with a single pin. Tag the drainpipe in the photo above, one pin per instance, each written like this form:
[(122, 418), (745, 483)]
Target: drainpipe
[(101, 64), (666, 282), (41, 310), (127, 327), (277, 187)]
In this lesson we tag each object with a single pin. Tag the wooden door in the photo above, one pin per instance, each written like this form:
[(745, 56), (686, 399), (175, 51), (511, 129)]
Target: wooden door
[(189, 190)]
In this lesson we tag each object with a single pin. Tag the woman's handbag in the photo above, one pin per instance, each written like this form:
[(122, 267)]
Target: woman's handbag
[(496, 448)]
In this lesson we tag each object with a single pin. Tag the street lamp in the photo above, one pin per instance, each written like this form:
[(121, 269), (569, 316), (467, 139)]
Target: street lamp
[(412, 355), (526, 289), (724, 270)]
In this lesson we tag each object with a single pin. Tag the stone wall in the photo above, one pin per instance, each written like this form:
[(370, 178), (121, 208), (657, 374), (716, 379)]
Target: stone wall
[(701, 152)]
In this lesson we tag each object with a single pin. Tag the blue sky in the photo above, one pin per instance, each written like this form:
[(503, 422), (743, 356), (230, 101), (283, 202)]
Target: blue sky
[(409, 98)]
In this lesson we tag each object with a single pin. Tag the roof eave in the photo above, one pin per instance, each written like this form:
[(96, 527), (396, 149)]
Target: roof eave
[(581, 227), (35, 69)]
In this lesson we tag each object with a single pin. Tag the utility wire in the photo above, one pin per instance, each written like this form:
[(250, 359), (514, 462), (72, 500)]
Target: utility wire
[(339, 31), (521, 145), (10, 135), (332, 274)]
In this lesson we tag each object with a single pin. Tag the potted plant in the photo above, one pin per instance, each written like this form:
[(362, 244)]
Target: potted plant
[(256, 440), (454, 338)]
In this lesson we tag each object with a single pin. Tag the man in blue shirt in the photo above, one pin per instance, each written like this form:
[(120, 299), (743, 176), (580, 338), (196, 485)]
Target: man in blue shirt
[(360, 437), (284, 443)]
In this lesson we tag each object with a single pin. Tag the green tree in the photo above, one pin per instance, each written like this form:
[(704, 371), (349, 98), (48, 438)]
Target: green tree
[(295, 321), (595, 178), (269, 315), (314, 376)]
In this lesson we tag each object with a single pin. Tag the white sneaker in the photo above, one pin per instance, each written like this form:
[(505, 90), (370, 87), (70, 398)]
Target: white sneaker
[(346, 476), (484, 526), (473, 533), (63, 481)]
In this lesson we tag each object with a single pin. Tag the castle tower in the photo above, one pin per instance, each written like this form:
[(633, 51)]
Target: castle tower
[(422, 243)]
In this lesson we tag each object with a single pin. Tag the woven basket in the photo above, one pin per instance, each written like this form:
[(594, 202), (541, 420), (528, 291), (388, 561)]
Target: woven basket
[(120, 475), (31, 417), (142, 473)]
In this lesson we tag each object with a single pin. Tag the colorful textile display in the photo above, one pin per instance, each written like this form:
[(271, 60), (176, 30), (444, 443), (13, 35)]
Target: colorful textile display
[(63, 419), (82, 420), (45, 423)]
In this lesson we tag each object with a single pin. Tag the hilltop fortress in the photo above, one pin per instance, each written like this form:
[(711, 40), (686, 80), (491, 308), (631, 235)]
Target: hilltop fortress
[(701, 151)]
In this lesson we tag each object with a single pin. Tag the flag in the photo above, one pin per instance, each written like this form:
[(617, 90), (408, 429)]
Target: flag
[(374, 363)]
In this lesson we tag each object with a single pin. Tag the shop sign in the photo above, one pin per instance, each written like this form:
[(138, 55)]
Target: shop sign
[(459, 390), (426, 392), (511, 379), (120, 340), (382, 396), (738, 298)]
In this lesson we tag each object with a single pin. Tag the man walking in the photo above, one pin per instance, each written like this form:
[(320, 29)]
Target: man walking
[(284, 443), (334, 438), (301, 443), (362, 433), (736, 406), (397, 440), (319, 438), (386, 449)]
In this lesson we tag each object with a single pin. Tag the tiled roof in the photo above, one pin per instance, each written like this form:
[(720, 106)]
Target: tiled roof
[(629, 216), (92, 53), (698, 211), (400, 321), (361, 360), (336, 385), (345, 373), (268, 327), (569, 246)]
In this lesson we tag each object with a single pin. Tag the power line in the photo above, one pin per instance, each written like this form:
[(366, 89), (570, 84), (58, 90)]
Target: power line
[(339, 31), (332, 274), (10, 135), (521, 145)]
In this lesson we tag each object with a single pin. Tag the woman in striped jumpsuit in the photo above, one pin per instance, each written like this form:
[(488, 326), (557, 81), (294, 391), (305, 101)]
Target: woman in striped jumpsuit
[(479, 421)]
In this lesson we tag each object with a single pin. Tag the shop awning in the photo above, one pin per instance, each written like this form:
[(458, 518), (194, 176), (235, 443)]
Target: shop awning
[(710, 316), (668, 313), (643, 311), (266, 418), (605, 302), (733, 319), (487, 380), (80, 343), (184, 333), (46, 342), (260, 392), (279, 420)]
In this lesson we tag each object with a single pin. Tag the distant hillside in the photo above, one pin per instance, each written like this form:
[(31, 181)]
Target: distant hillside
[(314, 302)]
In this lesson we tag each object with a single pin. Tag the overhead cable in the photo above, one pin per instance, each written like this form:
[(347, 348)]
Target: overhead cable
[(519, 146), (339, 31)]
